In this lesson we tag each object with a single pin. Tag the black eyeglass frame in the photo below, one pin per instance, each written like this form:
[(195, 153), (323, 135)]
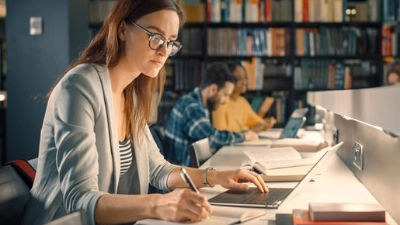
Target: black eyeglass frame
[(175, 44)]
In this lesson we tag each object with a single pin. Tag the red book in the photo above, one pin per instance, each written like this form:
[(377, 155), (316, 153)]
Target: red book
[(305, 11), (320, 211), (268, 10), (302, 217), (209, 10)]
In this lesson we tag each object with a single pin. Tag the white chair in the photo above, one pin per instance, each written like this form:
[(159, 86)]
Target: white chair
[(199, 152)]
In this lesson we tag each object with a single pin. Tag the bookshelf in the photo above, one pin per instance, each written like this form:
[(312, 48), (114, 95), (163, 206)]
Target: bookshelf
[(288, 47)]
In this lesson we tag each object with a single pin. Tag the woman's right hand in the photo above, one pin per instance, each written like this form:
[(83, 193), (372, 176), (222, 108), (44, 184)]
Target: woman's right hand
[(269, 123), (182, 205)]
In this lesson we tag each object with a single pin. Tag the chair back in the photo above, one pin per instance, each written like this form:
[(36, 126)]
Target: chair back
[(75, 218), (199, 152), (16, 179), (158, 135)]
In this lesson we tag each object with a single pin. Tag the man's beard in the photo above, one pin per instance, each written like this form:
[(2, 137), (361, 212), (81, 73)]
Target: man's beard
[(212, 103)]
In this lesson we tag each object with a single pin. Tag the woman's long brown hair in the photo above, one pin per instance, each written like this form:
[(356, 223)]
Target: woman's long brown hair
[(106, 49)]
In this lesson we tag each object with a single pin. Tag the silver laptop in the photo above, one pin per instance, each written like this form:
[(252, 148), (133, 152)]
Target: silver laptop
[(275, 196), (293, 125)]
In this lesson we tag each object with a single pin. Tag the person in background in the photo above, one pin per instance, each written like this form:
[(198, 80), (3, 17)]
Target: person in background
[(393, 77), (96, 152), (237, 114), (189, 120)]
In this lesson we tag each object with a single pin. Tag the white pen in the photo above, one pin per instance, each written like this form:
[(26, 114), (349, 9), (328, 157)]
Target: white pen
[(188, 180)]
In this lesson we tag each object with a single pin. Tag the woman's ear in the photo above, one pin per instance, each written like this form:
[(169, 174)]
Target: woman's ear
[(121, 31)]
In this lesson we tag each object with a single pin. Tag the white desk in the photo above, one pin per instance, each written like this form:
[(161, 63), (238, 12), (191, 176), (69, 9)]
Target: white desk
[(335, 183)]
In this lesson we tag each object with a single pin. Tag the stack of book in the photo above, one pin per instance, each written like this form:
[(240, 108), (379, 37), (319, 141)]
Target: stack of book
[(340, 214)]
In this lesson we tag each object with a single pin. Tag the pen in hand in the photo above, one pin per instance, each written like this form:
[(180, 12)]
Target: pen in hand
[(188, 180)]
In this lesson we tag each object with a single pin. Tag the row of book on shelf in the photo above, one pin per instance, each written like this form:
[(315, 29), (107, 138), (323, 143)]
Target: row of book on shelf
[(274, 75), (249, 41), (310, 74), (343, 41), (390, 40), (333, 75), (336, 11), (237, 11), (185, 74), (276, 41), (272, 11)]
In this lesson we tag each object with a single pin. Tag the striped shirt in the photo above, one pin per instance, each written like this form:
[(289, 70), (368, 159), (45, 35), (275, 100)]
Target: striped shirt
[(125, 151)]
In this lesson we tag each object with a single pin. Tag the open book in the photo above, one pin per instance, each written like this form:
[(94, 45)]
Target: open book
[(220, 215), (307, 145), (279, 164)]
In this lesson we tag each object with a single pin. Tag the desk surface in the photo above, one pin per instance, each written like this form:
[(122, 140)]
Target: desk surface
[(335, 183)]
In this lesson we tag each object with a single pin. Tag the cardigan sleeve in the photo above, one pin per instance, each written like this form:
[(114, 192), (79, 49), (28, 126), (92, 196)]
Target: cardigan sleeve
[(75, 107), (158, 166)]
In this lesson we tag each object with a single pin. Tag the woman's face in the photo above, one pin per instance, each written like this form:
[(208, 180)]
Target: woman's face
[(138, 55), (393, 79), (241, 85)]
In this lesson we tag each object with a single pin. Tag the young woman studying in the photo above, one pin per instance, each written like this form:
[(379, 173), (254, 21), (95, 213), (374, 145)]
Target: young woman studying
[(96, 152)]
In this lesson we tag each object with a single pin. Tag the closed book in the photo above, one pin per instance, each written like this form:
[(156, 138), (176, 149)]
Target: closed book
[(320, 211), (302, 217)]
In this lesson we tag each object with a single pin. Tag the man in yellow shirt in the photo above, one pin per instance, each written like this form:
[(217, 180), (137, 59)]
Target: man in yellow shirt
[(237, 114)]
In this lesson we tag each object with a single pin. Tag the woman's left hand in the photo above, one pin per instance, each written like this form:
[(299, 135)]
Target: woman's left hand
[(236, 179)]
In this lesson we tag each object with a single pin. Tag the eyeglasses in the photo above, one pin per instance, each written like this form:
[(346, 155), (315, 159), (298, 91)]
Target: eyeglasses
[(157, 41)]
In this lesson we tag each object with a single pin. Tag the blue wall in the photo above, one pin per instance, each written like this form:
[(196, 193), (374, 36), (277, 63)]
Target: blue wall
[(35, 62)]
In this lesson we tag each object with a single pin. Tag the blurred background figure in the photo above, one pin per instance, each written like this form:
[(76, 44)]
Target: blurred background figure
[(393, 77), (237, 114)]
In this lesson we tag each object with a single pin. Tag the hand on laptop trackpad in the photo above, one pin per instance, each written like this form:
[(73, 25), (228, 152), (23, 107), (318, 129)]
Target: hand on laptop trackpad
[(300, 133)]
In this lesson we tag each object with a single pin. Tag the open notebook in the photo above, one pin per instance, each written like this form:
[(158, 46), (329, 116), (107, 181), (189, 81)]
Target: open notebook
[(275, 196), (219, 216)]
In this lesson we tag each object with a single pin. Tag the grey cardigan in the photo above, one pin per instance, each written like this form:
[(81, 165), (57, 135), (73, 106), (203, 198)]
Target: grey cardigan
[(79, 153)]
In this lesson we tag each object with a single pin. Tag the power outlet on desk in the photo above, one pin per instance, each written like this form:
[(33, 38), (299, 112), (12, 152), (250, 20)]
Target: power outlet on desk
[(358, 155), (335, 135)]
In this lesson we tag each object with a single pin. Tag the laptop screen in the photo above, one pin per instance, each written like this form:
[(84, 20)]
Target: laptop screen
[(292, 127)]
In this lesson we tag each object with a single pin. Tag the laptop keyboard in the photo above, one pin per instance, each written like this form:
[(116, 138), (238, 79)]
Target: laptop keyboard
[(272, 199)]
